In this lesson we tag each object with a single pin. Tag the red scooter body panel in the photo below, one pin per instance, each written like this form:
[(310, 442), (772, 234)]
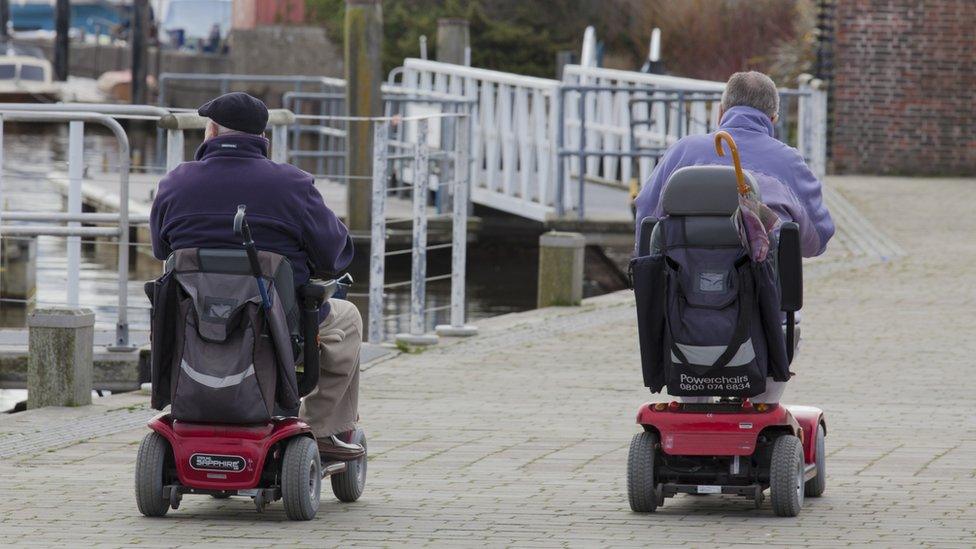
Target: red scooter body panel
[(718, 433), (808, 417), (224, 457)]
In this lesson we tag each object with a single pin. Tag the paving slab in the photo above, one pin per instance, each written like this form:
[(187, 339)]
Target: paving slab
[(518, 437)]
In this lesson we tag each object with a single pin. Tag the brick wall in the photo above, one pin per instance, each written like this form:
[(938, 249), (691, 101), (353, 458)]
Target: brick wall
[(904, 87)]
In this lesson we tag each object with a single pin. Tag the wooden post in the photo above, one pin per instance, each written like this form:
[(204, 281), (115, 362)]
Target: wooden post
[(560, 269), (453, 37), (138, 33), (4, 18), (364, 74), (59, 365), (62, 20)]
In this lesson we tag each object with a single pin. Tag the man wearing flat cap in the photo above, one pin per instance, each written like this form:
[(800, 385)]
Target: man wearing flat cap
[(194, 208)]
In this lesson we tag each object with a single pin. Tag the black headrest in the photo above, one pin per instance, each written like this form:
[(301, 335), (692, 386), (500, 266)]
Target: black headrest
[(703, 190)]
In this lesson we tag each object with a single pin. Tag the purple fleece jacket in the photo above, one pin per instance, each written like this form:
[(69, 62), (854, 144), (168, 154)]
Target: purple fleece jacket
[(785, 182), (196, 202)]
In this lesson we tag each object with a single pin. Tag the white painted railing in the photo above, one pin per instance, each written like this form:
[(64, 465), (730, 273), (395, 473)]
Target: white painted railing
[(519, 126), (609, 114), (513, 135)]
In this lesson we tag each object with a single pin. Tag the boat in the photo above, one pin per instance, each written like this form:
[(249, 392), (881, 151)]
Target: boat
[(26, 76)]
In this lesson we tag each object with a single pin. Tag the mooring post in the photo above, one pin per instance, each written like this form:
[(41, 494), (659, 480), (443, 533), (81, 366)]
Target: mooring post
[(138, 32), (364, 74), (560, 269), (59, 363), (453, 37), (62, 19), (4, 18)]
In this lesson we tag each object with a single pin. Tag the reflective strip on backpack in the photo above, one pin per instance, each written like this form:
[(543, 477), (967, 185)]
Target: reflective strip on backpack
[(704, 355), (215, 382)]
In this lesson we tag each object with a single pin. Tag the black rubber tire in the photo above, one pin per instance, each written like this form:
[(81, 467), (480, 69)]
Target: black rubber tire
[(815, 487), (151, 475), (786, 476), (301, 479), (640, 473), (349, 485)]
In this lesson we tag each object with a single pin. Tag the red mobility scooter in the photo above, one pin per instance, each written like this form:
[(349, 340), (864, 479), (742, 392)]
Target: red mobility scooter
[(725, 445), (271, 454)]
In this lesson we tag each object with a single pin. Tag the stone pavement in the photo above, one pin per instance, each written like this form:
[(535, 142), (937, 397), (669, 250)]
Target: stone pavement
[(519, 437)]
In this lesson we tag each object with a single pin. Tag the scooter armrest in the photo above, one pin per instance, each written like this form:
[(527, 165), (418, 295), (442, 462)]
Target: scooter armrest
[(314, 293)]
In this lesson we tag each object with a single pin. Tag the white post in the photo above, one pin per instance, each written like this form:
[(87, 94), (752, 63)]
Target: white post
[(2, 205), (804, 118), (279, 143), (76, 171), (174, 148), (820, 127), (418, 278), (654, 50), (377, 249), (459, 236)]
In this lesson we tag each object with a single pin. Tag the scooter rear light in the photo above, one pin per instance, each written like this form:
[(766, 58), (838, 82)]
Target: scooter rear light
[(673, 406), (660, 407), (762, 407)]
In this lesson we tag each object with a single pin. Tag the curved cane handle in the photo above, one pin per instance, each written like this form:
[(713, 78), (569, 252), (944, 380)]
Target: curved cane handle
[(740, 178)]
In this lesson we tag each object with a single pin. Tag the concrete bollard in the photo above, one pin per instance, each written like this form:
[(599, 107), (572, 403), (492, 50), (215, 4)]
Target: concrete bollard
[(59, 365), (560, 269)]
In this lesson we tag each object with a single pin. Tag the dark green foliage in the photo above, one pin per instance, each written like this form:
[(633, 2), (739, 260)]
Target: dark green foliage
[(519, 37), (700, 38)]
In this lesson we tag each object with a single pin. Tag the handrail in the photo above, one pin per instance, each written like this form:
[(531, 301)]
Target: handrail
[(656, 80), (100, 108), (189, 76), (488, 74), (193, 121), (122, 232)]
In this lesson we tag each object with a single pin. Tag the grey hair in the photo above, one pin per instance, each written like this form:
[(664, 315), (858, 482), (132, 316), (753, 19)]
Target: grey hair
[(221, 130), (751, 89)]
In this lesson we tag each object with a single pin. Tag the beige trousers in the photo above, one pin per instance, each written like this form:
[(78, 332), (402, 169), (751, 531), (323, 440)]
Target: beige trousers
[(333, 406)]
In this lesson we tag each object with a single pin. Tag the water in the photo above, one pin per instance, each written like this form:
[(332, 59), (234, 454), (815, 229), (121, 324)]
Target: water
[(500, 278)]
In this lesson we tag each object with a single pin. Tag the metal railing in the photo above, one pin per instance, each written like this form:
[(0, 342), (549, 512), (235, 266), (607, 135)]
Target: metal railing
[(326, 123), (389, 153), (76, 115), (224, 82), (614, 133), (74, 217), (513, 132), (519, 136)]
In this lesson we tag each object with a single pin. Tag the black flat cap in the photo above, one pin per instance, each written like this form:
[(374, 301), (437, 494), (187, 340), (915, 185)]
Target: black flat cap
[(237, 111)]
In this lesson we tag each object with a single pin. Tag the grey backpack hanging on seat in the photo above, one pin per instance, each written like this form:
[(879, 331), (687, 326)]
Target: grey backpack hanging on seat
[(229, 359), (708, 316)]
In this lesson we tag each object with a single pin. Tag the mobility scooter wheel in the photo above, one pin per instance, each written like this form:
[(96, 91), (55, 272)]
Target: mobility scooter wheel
[(151, 475), (348, 486), (786, 476), (641, 483), (815, 487), (301, 478)]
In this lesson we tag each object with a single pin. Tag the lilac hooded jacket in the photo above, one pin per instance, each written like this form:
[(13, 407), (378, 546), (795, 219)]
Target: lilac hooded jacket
[(196, 202), (785, 182)]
